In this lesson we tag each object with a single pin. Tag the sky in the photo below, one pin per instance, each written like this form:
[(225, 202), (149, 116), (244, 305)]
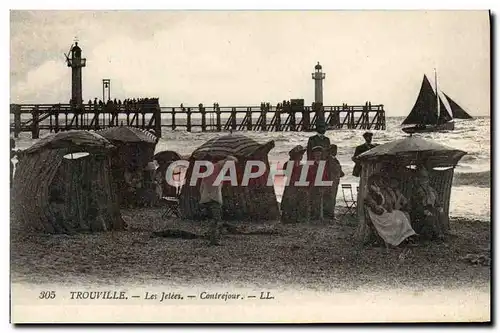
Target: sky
[(248, 57)]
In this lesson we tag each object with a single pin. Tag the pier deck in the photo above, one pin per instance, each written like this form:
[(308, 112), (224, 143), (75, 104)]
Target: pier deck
[(150, 116)]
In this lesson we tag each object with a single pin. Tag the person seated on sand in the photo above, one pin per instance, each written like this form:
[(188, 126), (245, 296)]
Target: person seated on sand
[(383, 208), (400, 201), (427, 212), (133, 184), (151, 191), (293, 209), (211, 198)]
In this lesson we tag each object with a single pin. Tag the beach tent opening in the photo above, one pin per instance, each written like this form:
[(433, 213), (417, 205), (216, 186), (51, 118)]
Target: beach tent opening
[(54, 192), (257, 201), (405, 154), (164, 160)]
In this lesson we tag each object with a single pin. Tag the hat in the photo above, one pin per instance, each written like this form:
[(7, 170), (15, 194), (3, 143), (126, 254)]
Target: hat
[(296, 150), (317, 148), (367, 134)]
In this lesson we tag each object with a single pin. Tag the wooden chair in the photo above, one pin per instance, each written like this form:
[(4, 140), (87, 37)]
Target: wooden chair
[(172, 205), (349, 199)]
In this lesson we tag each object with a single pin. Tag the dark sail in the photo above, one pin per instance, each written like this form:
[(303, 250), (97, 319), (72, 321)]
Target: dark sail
[(425, 109), (457, 111), (444, 115)]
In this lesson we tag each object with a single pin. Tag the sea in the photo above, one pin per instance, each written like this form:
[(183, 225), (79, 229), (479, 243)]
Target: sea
[(471, 192)]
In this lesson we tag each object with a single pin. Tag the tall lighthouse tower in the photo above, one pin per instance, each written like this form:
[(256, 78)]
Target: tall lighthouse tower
[(76, 62), (318, 77)]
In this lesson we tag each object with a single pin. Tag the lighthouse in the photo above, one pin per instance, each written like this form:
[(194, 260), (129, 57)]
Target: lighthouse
[(318, 77), (76, 62)]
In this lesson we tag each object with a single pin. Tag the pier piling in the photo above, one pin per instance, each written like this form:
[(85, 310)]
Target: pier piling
[(287, 116)]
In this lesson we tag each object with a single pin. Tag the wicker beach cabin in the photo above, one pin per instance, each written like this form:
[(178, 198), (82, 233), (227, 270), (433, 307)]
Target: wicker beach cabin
[(135, 148), (63, 185), (257, 201), (405, 154)]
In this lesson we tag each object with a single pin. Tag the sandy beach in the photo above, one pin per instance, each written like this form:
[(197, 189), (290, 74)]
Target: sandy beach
[(311, 255)]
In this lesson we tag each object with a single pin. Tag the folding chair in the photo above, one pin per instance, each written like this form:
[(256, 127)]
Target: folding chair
[(172, 205), (349, 199)]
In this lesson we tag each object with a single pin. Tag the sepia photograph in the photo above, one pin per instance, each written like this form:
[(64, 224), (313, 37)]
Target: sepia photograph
[(250, 166)]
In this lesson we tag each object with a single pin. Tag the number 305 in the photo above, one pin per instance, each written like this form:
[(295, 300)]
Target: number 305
[(47, 295)]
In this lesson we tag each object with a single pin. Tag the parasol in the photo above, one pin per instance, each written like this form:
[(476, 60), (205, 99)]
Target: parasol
[(414, 149)]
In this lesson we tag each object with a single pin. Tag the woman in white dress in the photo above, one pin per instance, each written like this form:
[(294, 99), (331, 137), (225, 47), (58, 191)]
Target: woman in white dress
[(384, 205)]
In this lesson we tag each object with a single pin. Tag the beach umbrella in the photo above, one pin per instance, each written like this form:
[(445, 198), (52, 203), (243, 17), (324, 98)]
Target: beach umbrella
[(234, 144), (128, 135), (414, 149), (73, 139)]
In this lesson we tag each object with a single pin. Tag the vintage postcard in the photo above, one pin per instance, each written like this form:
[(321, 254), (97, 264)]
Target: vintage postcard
[(250, 166)]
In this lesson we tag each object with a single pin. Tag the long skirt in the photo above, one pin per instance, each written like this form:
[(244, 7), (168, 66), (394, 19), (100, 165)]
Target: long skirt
[(331, 200), (315, 195), (294, 205), (393, 227)]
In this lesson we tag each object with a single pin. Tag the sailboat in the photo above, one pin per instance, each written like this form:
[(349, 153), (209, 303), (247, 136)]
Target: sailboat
[(430, 113)]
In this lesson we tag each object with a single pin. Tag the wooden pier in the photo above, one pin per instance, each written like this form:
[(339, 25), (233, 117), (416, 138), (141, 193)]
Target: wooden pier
[(287, 116)]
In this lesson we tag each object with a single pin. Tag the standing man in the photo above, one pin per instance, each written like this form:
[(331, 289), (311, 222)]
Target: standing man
[(211, 198), (356, 172), (318, 140), (317, 193)]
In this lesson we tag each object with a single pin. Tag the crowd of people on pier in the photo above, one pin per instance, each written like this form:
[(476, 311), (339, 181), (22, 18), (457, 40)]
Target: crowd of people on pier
[(128, 103)]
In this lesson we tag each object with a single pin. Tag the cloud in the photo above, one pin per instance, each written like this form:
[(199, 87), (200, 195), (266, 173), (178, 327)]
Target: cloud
[(243, 58)]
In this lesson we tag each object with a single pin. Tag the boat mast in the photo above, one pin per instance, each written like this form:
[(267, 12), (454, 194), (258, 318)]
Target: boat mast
[(437, 96)]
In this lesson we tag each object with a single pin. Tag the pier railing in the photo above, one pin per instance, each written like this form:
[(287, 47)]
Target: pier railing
[(150, 116)]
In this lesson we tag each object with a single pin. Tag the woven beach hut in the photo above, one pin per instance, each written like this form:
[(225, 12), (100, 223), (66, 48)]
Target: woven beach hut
[(257, 201), (405, 154), (63, 185), (135, 148)]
